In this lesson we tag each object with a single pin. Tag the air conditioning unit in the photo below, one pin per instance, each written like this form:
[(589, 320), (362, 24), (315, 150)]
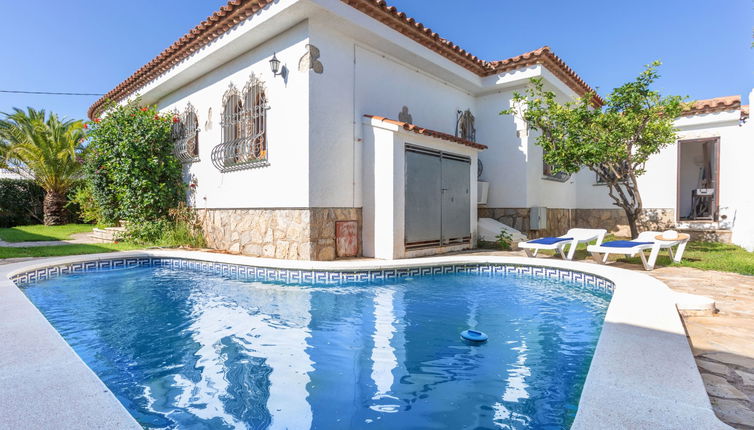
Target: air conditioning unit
[(482, 191)]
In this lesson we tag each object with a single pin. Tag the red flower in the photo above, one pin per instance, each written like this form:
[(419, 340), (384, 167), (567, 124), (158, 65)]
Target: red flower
[(97, 120), (86, 126), (144, 109), (192, 185), (175, 119), (156, 116)]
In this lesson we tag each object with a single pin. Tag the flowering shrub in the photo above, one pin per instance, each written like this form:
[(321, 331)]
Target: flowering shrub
[(130, 165)]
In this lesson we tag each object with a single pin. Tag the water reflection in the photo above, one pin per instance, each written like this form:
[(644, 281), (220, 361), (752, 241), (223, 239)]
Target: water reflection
[(384, 359), (234, 333)]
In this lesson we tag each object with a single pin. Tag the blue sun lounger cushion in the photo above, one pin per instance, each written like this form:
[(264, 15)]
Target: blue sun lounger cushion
[(550, 240), (624, 244)]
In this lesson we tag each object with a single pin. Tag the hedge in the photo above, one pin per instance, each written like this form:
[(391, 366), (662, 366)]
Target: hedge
[(20, 202)]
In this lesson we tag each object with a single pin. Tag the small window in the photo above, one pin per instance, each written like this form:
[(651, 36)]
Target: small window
[(549, 173), (186, 135)]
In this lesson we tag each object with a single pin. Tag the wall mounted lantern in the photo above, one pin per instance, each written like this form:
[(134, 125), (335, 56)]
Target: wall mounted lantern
[(275, 65)]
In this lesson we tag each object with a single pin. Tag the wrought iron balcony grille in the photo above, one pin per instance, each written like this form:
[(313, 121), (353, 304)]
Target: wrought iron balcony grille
[(185, 135), (244, 129)]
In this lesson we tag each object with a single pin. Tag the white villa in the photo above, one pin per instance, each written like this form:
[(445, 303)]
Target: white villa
[(319, 129)]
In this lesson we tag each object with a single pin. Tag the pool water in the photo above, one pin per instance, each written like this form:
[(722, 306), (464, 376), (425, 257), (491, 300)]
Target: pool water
[(190, 349)]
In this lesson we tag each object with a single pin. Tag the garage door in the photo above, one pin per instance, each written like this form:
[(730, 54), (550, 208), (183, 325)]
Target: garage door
[(437, 198)]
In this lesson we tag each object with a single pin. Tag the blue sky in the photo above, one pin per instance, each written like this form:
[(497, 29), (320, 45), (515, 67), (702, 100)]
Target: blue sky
[(91, 46)]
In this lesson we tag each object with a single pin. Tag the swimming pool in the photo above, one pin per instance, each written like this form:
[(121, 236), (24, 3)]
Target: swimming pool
[(196, 349)]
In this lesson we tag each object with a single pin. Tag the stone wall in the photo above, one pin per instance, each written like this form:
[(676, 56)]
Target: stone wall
[(560, 220), (295, 234), (615, 221)]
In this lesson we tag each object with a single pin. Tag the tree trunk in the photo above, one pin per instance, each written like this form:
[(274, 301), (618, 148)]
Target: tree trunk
[(54, 208), (632, 220)]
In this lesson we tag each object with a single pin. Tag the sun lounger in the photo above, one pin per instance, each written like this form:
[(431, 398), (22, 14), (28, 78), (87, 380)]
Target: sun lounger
[(652, 240), (572, 238)]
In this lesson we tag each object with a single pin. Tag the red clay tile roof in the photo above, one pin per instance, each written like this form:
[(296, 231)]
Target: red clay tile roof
[(427, 132), (553, 63), (718, 104), (238, 10)]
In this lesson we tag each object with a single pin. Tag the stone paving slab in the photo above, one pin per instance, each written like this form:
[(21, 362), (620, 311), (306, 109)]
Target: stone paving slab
[(75, 238)]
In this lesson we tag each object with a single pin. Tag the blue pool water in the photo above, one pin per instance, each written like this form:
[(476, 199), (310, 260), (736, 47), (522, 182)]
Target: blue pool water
[(190, 349)]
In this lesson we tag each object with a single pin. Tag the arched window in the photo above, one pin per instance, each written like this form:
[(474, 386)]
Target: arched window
[(231, 121), (186, 135), (255, 119), (244, 126)]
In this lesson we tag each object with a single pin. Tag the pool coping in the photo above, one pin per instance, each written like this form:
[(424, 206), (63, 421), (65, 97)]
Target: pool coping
[(642, 375)]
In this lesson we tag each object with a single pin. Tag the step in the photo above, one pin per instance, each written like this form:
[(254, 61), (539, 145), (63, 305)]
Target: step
[(108, 234)]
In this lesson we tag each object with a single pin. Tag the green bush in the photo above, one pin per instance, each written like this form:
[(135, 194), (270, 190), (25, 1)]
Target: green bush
[(20, 202), (182, 227), (81, 201), (504, 240), (130, 166)]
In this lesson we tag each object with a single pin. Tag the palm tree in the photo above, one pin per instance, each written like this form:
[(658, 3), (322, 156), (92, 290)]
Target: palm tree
[(45, 149)]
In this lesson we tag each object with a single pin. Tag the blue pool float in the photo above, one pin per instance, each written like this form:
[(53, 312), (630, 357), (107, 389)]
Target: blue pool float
[(473, 336)]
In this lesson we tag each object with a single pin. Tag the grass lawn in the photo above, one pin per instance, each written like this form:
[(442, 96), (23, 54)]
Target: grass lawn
[(62, 250), (35, 233), (709, 256)]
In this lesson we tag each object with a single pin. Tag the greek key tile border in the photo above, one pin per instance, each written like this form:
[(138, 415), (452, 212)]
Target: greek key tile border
[(304, 276)]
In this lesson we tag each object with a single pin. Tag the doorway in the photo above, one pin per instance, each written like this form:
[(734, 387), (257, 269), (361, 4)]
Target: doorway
[(698, 179)]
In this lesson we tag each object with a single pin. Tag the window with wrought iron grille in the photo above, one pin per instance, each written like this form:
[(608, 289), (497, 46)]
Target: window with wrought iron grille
[(550, 173), (185, 134), (244, 128)]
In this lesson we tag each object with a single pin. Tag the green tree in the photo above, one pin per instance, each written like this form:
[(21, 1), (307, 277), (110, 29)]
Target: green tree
[(614, 140), (45, 149)]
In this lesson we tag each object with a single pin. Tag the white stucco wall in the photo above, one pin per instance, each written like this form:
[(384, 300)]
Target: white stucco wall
[(513, 160), (657, 185), (285, 181), (359, 80), (505, 159)]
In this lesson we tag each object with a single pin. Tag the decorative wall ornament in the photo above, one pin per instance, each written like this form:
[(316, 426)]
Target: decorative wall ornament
[(465, 125), (208, 123), (404, 116), (310, 60)]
